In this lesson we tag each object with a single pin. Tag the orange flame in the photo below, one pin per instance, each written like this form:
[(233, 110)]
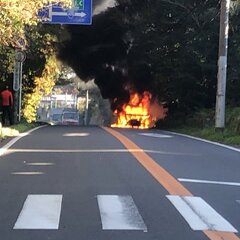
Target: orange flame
[(140, 112)]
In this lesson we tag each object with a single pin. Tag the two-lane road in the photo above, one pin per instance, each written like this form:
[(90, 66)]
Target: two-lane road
[(90, 183)]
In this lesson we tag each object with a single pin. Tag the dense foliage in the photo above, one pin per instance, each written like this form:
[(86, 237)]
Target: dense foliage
[(41, 70), (15, 15), (21, 29), (43, 86), (179, 39)]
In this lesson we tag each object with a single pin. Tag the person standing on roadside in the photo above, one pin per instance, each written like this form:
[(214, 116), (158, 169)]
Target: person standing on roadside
[(7, 105)]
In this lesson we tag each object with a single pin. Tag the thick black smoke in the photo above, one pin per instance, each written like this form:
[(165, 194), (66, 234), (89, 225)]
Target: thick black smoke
[(101, 52)]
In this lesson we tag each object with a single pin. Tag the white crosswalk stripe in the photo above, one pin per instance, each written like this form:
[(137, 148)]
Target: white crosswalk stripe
[(200, 215), (40, 212), (119, 213)]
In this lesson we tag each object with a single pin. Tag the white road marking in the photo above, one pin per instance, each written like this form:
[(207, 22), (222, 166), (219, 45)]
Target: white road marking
[(76, 134), (40, 164), (74, 150), (119, 213), (40, 212), (200, 215), (98, 151), (157, 135), (209, 182), (27, 173)]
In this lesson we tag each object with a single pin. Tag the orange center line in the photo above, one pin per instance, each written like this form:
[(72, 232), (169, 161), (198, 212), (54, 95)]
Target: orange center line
[(171, 184)]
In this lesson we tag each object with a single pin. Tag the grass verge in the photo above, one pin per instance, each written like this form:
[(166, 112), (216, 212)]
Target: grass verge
[(15, 130), (228, 136), (201, 124)]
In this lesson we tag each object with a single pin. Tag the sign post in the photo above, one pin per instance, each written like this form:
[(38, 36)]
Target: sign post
[(20, 57)]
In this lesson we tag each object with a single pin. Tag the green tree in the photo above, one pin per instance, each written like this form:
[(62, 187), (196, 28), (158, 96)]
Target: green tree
[(43, 86), (6, 65), (16, 14), (179, 39), (233, 76), (41, 69), (21, 28)]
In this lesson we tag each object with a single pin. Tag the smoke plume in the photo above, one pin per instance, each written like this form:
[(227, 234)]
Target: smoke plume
[(102, 52)]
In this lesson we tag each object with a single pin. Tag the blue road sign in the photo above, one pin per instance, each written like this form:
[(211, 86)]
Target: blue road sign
[(81, 13)]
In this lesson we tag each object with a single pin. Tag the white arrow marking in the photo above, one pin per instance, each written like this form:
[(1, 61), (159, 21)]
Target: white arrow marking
[(81, 14), (72, 12)]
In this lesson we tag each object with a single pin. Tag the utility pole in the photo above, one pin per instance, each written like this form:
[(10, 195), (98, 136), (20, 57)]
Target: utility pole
[(222, 65)]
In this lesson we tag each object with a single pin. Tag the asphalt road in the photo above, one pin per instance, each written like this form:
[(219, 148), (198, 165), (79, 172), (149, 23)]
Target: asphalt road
[(79, 183)]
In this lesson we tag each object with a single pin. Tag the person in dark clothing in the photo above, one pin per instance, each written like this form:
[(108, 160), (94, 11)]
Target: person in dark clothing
[(7, 105)]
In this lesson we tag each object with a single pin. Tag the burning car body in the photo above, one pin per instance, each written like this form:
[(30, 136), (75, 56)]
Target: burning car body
[(140, 112)]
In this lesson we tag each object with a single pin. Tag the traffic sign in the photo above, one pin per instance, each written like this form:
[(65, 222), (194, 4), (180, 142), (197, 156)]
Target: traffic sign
[(81, 13), (20, 56)]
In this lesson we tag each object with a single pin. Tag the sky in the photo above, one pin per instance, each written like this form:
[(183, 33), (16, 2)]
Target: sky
[(101, 5)]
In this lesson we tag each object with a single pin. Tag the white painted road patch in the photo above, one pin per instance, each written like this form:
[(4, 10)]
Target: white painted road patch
[(119, 213), (27, 173), (40, 212), (199, 214), (76, 134), (156, 135), (39, 164)]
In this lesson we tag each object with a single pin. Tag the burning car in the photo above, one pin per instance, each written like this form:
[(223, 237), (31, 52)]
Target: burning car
[(142, 111)]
